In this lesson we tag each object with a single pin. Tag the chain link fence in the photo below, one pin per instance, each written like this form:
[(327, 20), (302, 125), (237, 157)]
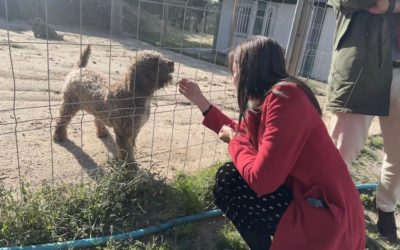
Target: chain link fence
[(196, 35)]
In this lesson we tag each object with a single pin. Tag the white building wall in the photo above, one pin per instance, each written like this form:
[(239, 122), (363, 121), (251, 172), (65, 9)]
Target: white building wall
[(280, 29), (283, 23)]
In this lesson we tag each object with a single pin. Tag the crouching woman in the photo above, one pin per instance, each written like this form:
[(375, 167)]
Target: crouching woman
[(287, 187)]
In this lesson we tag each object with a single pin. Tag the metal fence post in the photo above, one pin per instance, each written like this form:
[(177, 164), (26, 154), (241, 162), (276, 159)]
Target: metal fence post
[(297, 34), (233, 25), (116, 16)]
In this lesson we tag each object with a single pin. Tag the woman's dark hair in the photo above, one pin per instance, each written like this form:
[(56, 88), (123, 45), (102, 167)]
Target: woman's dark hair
[(260, 64)]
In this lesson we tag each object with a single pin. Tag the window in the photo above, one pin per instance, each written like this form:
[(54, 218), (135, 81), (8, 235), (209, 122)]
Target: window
[(263, 24), (242, 19), (268, 20), (258, 23), (313, 41)]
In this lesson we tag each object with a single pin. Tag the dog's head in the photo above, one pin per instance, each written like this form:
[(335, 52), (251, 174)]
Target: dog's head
[(151, 70), (35, 22)]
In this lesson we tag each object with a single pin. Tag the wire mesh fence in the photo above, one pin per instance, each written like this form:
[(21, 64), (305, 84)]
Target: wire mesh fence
[(196, 35), (35, 71)]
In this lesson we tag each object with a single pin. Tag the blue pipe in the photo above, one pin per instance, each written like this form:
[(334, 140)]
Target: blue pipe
[(92, 242), (367, 186)]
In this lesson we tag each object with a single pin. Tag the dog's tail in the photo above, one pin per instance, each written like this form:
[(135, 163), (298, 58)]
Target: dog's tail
[(83, 60)]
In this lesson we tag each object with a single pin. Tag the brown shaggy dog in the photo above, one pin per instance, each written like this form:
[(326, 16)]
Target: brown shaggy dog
[(124, 106)]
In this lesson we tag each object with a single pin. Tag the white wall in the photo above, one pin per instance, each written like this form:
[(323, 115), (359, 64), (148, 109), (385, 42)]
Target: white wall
[(283, 23)]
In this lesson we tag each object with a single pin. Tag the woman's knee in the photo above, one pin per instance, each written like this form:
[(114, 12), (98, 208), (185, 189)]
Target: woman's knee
[(228, 166), (226, 170)]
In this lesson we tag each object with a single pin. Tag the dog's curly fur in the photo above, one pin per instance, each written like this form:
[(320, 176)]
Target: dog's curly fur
[(124, 106), (41, 30)]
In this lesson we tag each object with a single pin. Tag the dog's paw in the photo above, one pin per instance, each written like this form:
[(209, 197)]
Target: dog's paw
[(59, 137)]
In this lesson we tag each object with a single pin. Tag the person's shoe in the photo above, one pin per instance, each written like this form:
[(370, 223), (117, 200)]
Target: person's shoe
[(386, 225)]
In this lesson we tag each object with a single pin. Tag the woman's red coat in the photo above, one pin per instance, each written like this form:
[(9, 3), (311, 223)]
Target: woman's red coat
[(287, 142)]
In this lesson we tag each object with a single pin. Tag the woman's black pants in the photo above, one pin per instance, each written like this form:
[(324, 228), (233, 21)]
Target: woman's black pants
[(256, 217)]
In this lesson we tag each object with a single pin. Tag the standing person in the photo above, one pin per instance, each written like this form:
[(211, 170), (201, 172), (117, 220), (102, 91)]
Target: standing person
[(286, 178), (365, 82)]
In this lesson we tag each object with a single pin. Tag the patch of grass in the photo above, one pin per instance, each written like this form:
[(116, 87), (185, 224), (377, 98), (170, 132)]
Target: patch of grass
[(183, 237), (229, 238), (121, 200), (375, 141), (367, 199), (195, 191), (155, 243), (371, 153), (368, 155)]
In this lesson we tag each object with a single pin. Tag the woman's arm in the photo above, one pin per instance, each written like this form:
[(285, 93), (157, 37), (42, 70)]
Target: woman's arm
[(287, 129), (214, 118)]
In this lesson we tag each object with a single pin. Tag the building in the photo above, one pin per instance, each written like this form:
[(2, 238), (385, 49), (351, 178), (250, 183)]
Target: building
[(274, 18)]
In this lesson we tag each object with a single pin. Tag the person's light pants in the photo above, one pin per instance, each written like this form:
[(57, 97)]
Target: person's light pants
[(349, 132)]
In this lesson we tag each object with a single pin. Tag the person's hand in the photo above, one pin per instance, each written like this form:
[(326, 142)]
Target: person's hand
[(379, 8), (226, 134), (193, 93), (190, 90)]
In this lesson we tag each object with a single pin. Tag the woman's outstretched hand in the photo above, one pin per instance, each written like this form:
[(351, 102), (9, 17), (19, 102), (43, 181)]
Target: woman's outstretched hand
[(193, 93)]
